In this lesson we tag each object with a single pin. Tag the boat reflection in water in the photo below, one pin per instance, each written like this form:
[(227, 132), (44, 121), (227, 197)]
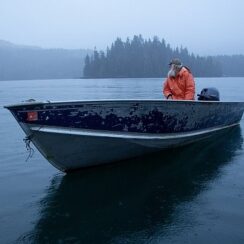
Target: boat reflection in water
[(133, 201)]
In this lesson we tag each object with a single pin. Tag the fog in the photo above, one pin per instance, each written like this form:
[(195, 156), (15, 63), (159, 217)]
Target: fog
[(205, 27)]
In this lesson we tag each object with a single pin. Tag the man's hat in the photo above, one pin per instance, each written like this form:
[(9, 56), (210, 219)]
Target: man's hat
[(175, 61)]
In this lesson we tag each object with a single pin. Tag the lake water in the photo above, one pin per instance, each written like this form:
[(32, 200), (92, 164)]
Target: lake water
[(193, 194)]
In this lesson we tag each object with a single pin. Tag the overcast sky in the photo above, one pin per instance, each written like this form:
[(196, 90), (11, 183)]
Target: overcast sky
[(205, 27)]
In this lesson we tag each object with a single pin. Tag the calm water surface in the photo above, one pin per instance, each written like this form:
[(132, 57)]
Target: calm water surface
[(193, 194)]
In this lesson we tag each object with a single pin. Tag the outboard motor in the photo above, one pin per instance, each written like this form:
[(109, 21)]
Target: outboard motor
[(209, 94)]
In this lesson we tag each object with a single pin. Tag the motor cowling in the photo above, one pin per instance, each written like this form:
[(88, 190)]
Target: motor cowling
[(209, 94)]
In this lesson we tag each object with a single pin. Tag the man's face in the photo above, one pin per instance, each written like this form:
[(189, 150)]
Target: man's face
[(172, 71)]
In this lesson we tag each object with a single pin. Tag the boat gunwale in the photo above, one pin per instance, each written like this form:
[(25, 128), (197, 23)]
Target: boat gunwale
[(99, 101)]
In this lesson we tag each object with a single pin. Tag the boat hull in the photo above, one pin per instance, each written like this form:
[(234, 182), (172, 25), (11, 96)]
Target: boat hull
[(69, 150), (84, 134)]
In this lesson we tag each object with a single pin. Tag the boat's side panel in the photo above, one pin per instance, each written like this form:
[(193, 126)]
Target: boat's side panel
[(132, 116), (68, 151)]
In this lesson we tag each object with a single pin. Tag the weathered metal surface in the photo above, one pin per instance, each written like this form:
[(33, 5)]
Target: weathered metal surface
[(134, 116)]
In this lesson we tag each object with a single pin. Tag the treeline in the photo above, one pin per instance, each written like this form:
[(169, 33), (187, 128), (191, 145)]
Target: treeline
[(145, 58)]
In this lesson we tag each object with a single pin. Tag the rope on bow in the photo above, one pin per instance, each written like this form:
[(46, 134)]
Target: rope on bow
[(30, 150)]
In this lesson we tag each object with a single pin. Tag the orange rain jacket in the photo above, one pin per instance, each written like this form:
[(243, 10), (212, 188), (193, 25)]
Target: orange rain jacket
[(181, 87)]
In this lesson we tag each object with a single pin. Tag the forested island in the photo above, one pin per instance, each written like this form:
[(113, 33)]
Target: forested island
[(137, 57), (149, 58)]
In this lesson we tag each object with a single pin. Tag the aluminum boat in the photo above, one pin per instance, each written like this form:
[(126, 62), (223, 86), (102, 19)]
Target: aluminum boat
[(76, 134)]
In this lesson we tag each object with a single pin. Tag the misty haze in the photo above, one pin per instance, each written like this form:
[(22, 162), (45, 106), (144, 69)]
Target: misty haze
[(38, 42), (121, 121)]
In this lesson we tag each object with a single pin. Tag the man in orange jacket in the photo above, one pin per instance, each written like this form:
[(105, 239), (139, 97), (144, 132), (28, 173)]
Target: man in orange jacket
[(180, 83)]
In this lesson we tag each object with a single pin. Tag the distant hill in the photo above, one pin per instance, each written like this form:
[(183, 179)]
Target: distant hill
[(18, 62), (232, 65)]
